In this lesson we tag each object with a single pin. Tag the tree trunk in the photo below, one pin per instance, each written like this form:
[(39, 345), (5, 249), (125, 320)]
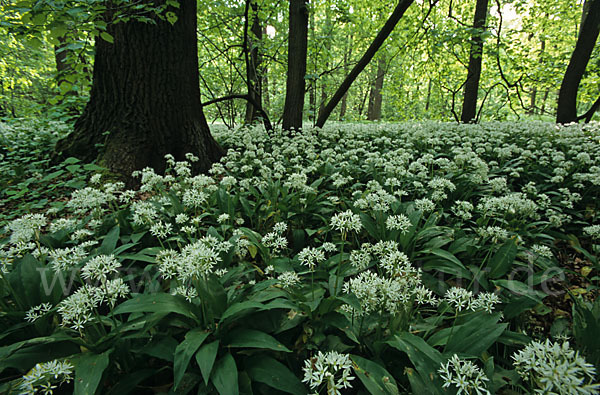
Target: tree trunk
[(145, 98), (297, 46), (469, 109), (254, 62), (347, 55), (375, 96), (364, 61), (566, 110), (428, 101)]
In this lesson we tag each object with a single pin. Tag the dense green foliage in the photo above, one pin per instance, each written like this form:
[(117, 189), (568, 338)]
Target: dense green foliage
[(526, 50), (407, 256)]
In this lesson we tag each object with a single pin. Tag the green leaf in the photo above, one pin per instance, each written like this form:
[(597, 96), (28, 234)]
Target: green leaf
[(184, 352), (503, 259), (107, 37), (374, 377), (252, 338), (476, 335), (89, 368), (225, 376), (110, 241), (425, 358), (242, 306), (157, 303), (267, 370), (205, 357)]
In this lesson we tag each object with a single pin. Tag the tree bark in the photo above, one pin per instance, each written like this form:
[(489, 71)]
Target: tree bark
[(297, 47), (347, 55), (253, 66), (375, 96), (469, 109), (566, 110), (364, 61), (145, 98)]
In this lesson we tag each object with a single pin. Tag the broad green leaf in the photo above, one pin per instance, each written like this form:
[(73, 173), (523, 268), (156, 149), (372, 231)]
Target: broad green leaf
[(268, 370), (205, 357), (476, 335), (374, 377), (503, 259), (425, 359), (110, 241), (241, 306), (225, 376), (244, 337), (184, 352), (89, 368), (157, 303)]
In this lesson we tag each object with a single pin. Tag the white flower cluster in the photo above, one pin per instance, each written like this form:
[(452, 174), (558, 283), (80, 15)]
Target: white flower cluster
[(346, 221), (37, 311), (24, 229), (464, 375), (45, 377), (196, 260), (555, 368), (331, 369), (311, 257), (460, 299)]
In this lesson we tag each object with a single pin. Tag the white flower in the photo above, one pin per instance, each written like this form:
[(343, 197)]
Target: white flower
[(161, 229), (63, 259), (24, 229), (332, 369), (187, 292), (424, 205), (555, 368), (37, 311), (280, 227), (288, 279), (223, 218), (99, 267), (311, 257), (464, 375), (398, 222), (346, 221), (43, 377), (458, 298)]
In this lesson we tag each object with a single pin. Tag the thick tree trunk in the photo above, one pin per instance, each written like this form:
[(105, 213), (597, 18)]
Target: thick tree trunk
[(297, 46), (145, 98), (566, 110), (253, 73), (364, 61), (469, 109), (375, 96)]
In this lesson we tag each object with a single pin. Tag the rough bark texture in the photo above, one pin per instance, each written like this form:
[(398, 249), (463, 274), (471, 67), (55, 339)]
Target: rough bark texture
[(469, 109), (297, 46), (375, 96), (566, 110), (364, 61), (253, 74), (145, 98)]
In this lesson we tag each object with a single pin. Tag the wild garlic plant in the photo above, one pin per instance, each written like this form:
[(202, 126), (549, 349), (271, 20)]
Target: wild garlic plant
[(347, 248)]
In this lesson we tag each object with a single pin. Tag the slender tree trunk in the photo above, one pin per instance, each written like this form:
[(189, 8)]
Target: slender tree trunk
[(469, 109), (544, 100), (566, 110), (145, 98), (347, 55), (428, 101), (253, 73), (364, 61), (375, 96), (297, 46)]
